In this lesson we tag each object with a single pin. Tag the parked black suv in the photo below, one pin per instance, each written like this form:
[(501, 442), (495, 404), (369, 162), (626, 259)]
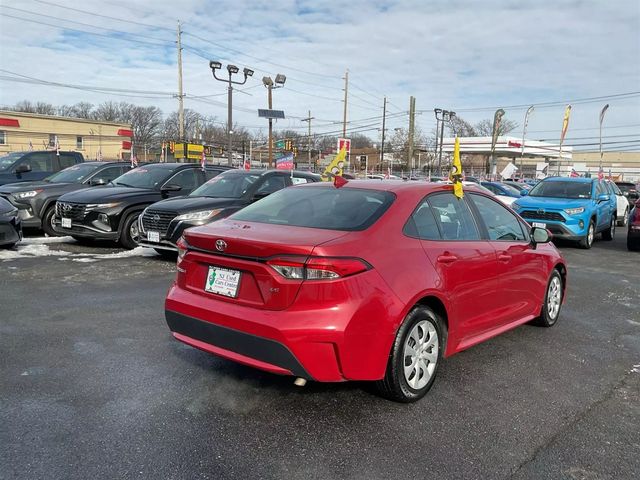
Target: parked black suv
[(111, 212), (10, 229), (161, 224), (36, 201), (30, 166)]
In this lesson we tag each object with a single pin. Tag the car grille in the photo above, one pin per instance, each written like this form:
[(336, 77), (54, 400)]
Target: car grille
[(74, 211), (536, 215), (157, 220)]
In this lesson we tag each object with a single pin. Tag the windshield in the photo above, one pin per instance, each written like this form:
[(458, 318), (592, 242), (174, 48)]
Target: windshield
[(143, 177), (562, 190), (232, 184), (511, 189), (326, 208), (74, 174), (8, 160)]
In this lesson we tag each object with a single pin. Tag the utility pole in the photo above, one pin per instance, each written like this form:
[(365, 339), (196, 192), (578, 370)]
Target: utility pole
[(412, 126), (308, 120), (270, 102), (346, 92), (180, 94), (384, 118)]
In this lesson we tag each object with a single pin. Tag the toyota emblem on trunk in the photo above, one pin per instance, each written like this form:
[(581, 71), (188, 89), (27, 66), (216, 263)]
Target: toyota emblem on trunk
[(221, 245)]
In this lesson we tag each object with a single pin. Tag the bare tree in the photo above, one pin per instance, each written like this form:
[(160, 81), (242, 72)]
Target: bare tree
[(82, 110), (41, 108), (107, 112), (485, 127), (459, 126), (358, 140)]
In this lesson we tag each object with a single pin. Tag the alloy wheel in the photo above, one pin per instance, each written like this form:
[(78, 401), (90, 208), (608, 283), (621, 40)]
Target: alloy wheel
[(420, 354), (554, 297)]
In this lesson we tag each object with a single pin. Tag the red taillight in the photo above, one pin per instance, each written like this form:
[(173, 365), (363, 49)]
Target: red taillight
[(182, 248), (317, 268)]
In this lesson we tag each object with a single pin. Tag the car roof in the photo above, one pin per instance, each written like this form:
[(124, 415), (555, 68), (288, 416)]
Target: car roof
[(272, 170), (97, 162), (569, 179), (396, 186)]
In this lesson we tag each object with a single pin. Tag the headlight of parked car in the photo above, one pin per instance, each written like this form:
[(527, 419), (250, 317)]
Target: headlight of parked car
[(29, 194), (93, 206), (201, 215), (574, 211)]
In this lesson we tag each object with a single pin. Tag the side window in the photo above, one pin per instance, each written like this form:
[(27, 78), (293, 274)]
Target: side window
[(39, 162), (453, 217), (300, 180), (491, 188), (3, 137), (66, 160), (500, 222), (187, 179), (109, 173), (209, 174), (600, 188), (422, 223), (272, 184)]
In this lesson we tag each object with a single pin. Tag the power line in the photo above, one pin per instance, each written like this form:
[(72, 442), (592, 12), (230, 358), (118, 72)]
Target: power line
[(84, 24)]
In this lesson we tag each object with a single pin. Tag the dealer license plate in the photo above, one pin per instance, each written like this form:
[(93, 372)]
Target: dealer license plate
[(66, 222), (539, 225), (153, 237), (223, 281)]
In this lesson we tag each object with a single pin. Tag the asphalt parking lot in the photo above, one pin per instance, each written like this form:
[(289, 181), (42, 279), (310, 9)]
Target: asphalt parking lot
[(93, 386)]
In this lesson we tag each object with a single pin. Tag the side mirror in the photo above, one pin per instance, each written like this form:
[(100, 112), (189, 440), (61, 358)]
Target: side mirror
[(23, 168), (523, 192), (97, 181), (603, 197), (172, 187), (539, 235), (259, 195)]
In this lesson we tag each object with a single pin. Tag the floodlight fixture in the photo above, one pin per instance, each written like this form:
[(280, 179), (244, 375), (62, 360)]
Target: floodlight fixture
[(232, 69), (247, 72), (215, 65), (280, 79), (267, 81)]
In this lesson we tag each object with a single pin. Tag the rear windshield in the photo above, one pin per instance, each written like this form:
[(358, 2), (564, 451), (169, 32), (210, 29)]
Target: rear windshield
[(230, 184), (73, 174), (7, 160), (327, 208), (562, 190)]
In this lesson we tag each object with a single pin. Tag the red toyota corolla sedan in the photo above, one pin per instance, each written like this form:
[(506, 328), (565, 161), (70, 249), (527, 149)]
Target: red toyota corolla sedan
[(371, 281)]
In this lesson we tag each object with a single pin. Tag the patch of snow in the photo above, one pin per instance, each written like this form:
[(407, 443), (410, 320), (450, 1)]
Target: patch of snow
[(31, 251), (43, 240)]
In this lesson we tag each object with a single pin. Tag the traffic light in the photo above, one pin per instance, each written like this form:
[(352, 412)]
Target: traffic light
[(295, 151), (288, 145)]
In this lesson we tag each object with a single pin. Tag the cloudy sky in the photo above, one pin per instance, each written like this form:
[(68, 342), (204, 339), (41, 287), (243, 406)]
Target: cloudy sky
[(463, 55)]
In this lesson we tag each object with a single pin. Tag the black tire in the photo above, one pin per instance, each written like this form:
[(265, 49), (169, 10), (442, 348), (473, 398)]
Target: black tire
[(83, 240), (633, 244), (548, 315), (47, 218), (610, 233), (587, 241), (395, 385), (129, 238), (625, 219), (8, 246), (166, 254)]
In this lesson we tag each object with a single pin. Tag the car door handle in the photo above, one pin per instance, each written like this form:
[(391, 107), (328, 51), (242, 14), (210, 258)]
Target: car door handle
[(503, 257), (447, 258)]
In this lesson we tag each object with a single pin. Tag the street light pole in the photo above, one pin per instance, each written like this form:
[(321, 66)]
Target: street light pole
[(232, 69), (270, 85)]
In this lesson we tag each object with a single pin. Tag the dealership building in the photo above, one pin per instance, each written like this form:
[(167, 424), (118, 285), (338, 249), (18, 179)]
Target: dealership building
[(94, 139)]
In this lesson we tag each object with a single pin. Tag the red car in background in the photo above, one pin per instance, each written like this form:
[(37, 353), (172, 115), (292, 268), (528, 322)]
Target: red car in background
[(371, 281)]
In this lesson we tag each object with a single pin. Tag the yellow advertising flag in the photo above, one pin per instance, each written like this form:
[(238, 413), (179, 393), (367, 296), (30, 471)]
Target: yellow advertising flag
[(334, 169), (456, 170), (565, 123)]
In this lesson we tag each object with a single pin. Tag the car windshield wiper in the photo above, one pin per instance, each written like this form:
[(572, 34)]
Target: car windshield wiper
[(120, 184)]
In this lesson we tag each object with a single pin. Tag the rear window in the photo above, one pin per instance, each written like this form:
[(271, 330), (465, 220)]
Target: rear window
[(328, 208)]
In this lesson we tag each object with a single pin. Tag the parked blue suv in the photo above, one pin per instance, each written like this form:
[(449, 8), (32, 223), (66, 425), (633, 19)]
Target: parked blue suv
[(571, 208)]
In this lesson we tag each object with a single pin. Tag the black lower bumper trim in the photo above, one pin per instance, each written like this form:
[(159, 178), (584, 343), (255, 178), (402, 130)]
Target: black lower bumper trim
[(259, 348)]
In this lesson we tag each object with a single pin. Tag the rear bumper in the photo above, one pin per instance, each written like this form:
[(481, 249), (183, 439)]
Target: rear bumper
[(242, 347), (10, 232), (327, 342)]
